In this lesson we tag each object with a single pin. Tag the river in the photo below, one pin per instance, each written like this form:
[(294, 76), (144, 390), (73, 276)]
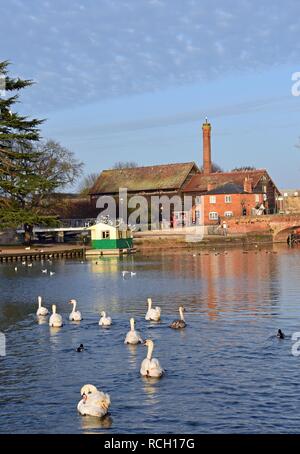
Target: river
[(225, 373)]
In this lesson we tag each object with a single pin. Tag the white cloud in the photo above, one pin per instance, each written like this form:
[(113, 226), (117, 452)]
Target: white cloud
[(115, 48)]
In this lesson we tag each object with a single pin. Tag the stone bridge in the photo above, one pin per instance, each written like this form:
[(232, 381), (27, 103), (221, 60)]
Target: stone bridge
[(279, 226)]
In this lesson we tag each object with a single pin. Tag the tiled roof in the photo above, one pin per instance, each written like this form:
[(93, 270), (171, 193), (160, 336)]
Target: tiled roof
[(150, 178), (199, 182), (227, 188)]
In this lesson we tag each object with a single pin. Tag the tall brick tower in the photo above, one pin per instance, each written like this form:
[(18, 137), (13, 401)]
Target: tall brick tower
[(206, 128)]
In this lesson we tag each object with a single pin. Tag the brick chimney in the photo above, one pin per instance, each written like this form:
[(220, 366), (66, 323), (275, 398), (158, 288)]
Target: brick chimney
[(206, 128), (248, 184)]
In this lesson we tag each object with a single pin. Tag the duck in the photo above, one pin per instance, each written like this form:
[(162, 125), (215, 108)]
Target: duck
[(80, 348), (105, 321), (75, 316), (152, 314), (280, 334), (56, 319), (180, 323), (93, 402), (133, 337), (151, 367), (42, 311)]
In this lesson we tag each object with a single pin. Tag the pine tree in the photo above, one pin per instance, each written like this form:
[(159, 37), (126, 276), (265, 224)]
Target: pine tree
[(18, 179)]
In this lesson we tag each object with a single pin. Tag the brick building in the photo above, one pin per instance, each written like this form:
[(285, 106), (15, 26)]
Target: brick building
[(227, 201), (219, 194), (229, 194)]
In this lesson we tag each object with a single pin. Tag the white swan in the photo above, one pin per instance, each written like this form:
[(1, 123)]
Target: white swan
[(179, 324), (133, 337), (42, 311), (152, 314), (75, 315), (56, 319), (105, 321), (93, 402), (150, 367)]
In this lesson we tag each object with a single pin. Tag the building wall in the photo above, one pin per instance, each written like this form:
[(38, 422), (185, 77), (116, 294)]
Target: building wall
[(238, 202), (290, 202), (266, 185)]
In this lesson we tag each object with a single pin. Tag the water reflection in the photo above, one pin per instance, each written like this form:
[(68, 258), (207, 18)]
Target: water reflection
[(90, 423), (223, 362), (41, 320), (151, 390)]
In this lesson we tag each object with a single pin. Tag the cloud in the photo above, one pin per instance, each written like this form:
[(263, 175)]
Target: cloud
[(81, 52)]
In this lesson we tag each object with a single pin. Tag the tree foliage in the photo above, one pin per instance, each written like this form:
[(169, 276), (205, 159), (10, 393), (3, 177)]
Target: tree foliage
[(29, 169)]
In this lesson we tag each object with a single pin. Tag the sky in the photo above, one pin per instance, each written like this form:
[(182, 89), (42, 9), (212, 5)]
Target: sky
[(133, 80)]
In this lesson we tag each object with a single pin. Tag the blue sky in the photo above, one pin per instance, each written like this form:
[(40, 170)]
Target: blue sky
[(133, 80)]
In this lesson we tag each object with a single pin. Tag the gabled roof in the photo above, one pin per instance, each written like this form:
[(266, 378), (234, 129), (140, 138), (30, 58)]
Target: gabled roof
[(227, 188), (150, 178), (199, 182)]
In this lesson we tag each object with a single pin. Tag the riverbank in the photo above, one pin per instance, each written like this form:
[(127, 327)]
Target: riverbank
[(158, 242), (53, 251)]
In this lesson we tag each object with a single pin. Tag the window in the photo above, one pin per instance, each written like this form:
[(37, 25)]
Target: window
[(212, 199), (256, 198), (198, 200), (228, 214), (105, 235), (228, 199), (264, 188), (213, 216)]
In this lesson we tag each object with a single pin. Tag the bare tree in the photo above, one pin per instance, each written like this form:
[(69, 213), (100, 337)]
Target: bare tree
[(125, 165), (87, 183), (243, 169), (215, 168)]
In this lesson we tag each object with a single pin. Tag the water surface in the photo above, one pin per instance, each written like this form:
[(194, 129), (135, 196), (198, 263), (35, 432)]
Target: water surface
[(225, 373)]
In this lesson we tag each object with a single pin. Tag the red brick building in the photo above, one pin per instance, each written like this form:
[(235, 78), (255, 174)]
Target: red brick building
[(229, 194), (218, 194), (227, 201)]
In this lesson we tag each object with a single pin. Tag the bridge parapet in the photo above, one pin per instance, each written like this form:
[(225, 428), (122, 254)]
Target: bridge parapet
[(278, 225)]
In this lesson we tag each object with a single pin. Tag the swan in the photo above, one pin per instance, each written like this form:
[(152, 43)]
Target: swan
[(133, 337), (43, 311), (152, 314), (56, 319), (75, 315), (104, 321), (150, 367), (180, 323), (93, 402)]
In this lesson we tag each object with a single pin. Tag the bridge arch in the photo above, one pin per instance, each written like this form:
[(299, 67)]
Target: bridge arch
[(281, 233)]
